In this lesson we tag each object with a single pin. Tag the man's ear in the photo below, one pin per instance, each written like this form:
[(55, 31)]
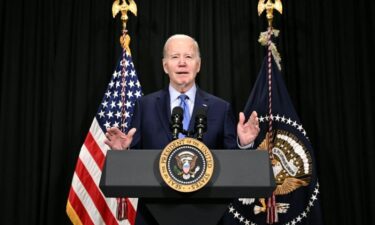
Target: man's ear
[(164, 62), (199, 66)]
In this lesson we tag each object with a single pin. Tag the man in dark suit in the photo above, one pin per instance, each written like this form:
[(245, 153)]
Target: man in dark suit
[(150, 125)]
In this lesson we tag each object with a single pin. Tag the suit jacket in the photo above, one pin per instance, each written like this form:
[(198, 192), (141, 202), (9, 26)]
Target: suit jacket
[(152, 116)]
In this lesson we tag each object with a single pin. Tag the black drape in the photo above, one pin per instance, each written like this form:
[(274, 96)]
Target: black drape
[(56, 58)]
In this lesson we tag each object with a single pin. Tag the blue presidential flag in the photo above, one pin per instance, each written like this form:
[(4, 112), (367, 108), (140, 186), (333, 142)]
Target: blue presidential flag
[(294, 167)]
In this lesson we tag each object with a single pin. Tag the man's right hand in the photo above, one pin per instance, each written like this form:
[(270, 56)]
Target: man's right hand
[(117, 140)]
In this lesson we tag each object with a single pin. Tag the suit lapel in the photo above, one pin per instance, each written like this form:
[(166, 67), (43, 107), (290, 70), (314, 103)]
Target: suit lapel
[(164, 110)]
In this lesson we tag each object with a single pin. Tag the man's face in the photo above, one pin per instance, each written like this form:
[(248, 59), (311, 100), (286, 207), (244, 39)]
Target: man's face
[(181, 62)]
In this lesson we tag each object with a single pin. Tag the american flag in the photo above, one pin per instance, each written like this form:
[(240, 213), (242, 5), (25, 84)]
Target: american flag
[(86, 203)]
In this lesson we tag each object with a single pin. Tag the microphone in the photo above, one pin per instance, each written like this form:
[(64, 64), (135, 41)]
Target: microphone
[(201, 122), (176, 121)]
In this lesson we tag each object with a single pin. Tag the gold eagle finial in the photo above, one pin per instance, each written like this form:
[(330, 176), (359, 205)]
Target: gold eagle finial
[(269, 6), (124, 7)]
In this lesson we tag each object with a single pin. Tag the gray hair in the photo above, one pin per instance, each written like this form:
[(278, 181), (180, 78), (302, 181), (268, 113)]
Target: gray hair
[(175, 36)]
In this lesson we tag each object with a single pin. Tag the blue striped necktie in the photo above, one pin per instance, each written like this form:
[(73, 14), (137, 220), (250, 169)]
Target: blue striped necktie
[(184, 105)]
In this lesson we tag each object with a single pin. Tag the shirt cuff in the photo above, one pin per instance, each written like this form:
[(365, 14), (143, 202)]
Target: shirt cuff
[(246, 146)]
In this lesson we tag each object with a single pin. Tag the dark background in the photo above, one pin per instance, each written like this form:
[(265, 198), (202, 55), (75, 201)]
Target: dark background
[(56, 58)]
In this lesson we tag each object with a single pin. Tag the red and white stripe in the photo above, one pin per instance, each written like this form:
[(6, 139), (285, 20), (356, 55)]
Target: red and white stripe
[(86, 203)]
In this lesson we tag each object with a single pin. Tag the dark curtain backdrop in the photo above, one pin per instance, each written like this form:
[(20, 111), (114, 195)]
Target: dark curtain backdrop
[(56, 58)]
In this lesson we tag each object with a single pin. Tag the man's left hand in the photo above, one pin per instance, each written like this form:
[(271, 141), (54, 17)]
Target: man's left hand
[(247, 131)]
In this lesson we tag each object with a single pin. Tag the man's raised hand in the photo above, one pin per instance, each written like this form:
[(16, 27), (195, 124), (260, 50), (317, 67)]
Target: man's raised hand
[(117, 140)]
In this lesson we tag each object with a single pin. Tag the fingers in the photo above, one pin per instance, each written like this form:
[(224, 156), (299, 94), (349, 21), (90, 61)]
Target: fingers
[(113, 130), (253, 120), (131, 132), (256, 121), (108, 135), (117, 140), (241, 118), (107, 142)]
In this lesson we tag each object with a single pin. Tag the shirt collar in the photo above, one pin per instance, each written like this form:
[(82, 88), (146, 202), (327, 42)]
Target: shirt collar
[(190, 93)]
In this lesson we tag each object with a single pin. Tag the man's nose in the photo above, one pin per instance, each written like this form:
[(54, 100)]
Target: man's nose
[(182, 61)]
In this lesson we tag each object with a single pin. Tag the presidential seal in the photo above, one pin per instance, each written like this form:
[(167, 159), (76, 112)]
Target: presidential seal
[(186, 165)]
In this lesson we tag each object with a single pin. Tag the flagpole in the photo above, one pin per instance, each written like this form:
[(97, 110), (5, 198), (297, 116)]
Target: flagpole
[(122, 207), (272, 216)]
